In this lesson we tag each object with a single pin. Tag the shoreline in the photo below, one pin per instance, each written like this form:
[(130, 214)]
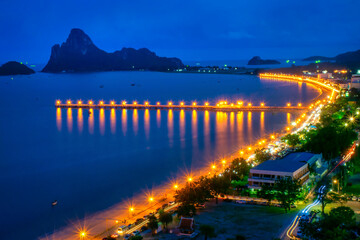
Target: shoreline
[(101, 220)]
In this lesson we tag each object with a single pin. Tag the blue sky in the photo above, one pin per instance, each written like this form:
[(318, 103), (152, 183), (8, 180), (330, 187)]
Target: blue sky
[(191, 30)]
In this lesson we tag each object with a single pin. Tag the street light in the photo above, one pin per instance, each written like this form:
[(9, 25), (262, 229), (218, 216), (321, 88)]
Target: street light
[(335, 181)]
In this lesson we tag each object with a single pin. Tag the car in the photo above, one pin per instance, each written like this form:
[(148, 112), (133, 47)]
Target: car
[(137, 232), (354, 198), (115, 235), (128, 236), (240, 201), (171, 203)]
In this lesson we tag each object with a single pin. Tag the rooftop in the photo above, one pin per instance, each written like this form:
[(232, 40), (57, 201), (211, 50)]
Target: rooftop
[(290, 163)]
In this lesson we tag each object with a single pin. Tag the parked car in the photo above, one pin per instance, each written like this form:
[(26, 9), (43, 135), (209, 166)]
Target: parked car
[(139, 220), (171, 203), (137, 232), (354, 198)]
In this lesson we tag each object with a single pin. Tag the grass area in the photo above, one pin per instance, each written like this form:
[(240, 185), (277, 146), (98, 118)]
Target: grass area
[(354, 189), (250, 221)]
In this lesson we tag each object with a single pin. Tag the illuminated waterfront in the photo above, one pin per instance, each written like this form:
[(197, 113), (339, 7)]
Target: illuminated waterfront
[(89, 160)]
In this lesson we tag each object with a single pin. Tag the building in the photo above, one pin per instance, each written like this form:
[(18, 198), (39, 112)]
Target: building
[(355, 81), (294, 165), (186, 225)]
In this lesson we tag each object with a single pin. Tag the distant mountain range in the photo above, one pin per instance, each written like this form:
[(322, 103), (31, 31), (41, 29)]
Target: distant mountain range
[(258, 61), (15, 68), (348, 59), (79, 54)]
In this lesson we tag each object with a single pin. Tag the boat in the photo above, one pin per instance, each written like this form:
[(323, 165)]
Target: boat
[(54, 203)]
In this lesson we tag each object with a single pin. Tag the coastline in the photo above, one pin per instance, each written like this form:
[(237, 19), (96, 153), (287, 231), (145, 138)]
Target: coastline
[(97, 222)]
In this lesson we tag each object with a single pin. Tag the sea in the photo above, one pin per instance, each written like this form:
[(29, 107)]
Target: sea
[(90, 161)]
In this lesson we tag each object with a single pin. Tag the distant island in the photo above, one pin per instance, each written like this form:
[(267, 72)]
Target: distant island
[(316, 58), (79, 54), (258, 61), (15, 68)]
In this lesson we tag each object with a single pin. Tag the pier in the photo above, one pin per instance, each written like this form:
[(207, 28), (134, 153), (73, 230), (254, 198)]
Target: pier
[(222, 106)]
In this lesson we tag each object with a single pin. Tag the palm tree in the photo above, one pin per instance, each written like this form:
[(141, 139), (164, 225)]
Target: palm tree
[(207, 231), (165, 218), (153, 224)]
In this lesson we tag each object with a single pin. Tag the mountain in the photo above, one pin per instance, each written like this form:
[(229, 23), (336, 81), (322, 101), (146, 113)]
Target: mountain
[(79, 54), (349, 59), (15, 68), (316, 58), (258, 61)]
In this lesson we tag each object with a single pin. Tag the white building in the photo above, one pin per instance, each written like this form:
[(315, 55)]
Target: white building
[(355, 81)]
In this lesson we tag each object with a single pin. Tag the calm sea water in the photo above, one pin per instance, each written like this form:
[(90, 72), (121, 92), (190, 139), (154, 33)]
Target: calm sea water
[(90, 162)]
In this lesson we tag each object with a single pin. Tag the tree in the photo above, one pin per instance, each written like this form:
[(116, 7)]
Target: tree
[(292, 139), (287, 192), (344, 215), (207, 231), (217, 185), (194, 192), (261, 155), (165, 218), (153, 223), (267, 192), (331, 197), (338, 224), (186, 210)]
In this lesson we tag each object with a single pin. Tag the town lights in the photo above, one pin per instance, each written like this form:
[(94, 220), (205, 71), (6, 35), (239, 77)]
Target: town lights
[(299, 104), (272, 136), (131, 209), (249, 104), (182, 103), (176, 186), (232, 104), (240, 103), (262, 104), (158, 103), (189, 179), (206, 104), (134, 103), (249, 148), (58, 102), (223, 161), (123, 102), (101, 103), (351, 119), (146, 103), (288, 104), (90, 102), (112, 103), (194, 104), (213, 166), (287, 129), (151, 199), (169, 103), (79, 102), (68, 102), (241, 152)]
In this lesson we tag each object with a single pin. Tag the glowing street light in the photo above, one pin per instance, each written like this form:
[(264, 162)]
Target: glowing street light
[(194, 104), (169, 103), (112, 103), (288, 104), (134, 102), (249, 148), (101, 103), (241, 152), (272, 136), (146, 103), (249, 104), (123, 102), (79, 102), (90, 102), (189, 179), (176, 186), (151, 199), (69, 102), (206, 104), (58, 102), (240, 103), (158, 103), (262, 104), (351, 119), (182, 103), (223, 161), (299, 104), (213, 166)]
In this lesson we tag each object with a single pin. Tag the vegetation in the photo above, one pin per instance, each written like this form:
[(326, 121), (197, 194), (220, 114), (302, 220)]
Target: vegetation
[(138, 237), (207, 231), (331, 197), (339, 224), (165, 218), (153, 224), (287, 191), (267, 192), (261, 156)]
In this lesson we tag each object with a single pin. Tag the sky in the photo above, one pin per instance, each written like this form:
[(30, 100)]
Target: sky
[(191, 30)]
